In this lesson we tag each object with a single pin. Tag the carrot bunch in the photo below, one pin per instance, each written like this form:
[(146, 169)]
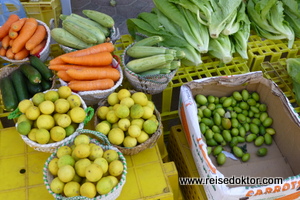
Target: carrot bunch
[(87, 69), (21, 37)]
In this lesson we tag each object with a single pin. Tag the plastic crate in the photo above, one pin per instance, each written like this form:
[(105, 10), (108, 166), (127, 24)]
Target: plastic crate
[(277, 72), (180, 153), (121, 44), (264, 50), (41, 10)]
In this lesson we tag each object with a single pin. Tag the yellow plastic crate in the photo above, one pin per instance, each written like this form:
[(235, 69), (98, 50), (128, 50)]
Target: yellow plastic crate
[(264, 50), (43, 10), (121, 44), (180, 153)]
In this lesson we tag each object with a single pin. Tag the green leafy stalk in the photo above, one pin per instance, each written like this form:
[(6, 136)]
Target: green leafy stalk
[(221, 48), (293, 69), (292, 15)]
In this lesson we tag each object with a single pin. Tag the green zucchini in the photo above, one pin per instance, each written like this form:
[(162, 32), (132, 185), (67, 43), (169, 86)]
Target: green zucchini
[(31, 73), (33, 88), (41, 67), (63, 37), (149, 41), (79, 32), (175, 64), (18, 80), (46, 84), (155, 72), (102, 18), (9, 95), (143, 64), (145, 51)]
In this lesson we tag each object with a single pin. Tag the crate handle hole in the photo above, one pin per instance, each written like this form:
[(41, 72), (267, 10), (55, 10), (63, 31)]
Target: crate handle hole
[(22, 171)]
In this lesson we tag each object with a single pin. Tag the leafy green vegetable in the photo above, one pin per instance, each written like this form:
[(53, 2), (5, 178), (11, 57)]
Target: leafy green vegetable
[(293, 69), (221, 48), (292, 14)]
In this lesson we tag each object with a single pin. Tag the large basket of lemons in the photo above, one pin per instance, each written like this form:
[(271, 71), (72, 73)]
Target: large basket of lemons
[(129, 120), (51, 118), (86, 167)]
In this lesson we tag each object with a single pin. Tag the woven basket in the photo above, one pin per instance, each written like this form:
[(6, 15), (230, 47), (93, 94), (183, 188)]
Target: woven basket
[(94, 96), (140, 147), (51, 147), (113, 194), (43, 55)]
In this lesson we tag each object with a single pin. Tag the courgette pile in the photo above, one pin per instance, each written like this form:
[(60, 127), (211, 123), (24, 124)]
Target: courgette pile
[(28, 79)]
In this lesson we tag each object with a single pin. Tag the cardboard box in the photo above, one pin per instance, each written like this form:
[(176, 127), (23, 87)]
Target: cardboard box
[(282, 159)]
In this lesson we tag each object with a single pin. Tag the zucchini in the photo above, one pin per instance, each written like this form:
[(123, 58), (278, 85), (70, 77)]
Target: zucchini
[(46, 84), (145, 51), (63, 37), (9, 95), (18, 80), (155, 72), (31, 73), (79, 32), (102, 18), (149, 41), (150, 62), (175, 64), (41, 67), (33, 88)]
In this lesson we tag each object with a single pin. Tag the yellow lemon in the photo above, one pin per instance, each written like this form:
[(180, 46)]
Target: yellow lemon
[(57, 186), (151, 105), (96, 152), (128, 101), (23, 117), (115, 168), (32, 112), (103, 127), (110, 155), (24, 104), (42, 136), (70, 129), (45, 121), (102, 111), (111, 117), (72, 189), (38, 98), (88, 189), (77, 114), (124, 124), (138, 122), (74, 100), (150, 126), (136, 111), (116, 136), (66, 173), (140, 98), (114, 180), (81, 139), (129, 141), (63, 150), (82, 150), (65, 160), (122, 111), (123, 93), (148, 112), (31, 134), (93, 172), (63, 120), (51, 95), (113, 99), (81, 165), (104, 185), (102, 162), (134, 131), (57, 133), (143, 137), (64, 91), (62, 105), (53, 166), (46, 107)]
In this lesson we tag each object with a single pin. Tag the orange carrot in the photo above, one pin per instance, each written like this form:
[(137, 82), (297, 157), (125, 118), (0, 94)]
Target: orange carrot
[(11, 42), (57, 61), (25, 34), (9, 54), (102, 58), (2, 51), (65, 67), (17, 25), (13, 34), (94, 73), (64, 76), (4, 29), (103, 47), (101, 84), (5, 42), (38, 48), (38, 36), (24, 53)]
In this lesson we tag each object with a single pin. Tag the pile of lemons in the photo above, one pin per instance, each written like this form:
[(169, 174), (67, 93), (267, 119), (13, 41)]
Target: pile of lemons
[(129, 118), (84, 169), (50, 116)]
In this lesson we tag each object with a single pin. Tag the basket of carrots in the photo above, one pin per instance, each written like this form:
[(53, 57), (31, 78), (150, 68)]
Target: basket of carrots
[(92, 72), (22, 37)]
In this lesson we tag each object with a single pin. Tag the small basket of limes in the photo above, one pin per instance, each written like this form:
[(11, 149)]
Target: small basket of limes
[(51, 118)]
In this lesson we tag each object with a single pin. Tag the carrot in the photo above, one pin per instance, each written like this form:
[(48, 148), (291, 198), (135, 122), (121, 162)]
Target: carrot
[(24, 53), (102, 58), (9, 54), (65, 67), (101, 84), (6, 26), (11, 42), (64, 76), (94, 73), (57, 61), (2, 51), (25, 34), (13, 34), (38, 48), (38, 36), (17, 25), (103, 47), (5, 42)]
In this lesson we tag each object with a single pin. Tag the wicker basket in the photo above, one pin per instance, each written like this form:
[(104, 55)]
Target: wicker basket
[(43, 55), (151, 84), (140, 147), (51, 147), (94, 96), (113, 194)]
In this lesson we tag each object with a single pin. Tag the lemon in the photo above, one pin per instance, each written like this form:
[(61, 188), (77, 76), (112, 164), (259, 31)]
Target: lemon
[(51, 95), (128, 101), (42, 136), (64, 92), (45, 121), (102, 162), (81, 139), (111, 117), (66, 173), (77, 178), (115, 168), (32, 112), (102, 111), (93, 172), (63, 150), (116, 136), (88, 189), (143, 137), (113, 99), (77, 114), (63, 120), (23, 117), (123, 93), (103, 127), (38, 98), (57, 133), (114, 107), (57, 186), (46, 107), (129, 141), (62, 105), (24, 104), (124, 124), (74, 100), (31, 134), (53, 166), (72, 189), (150, 126), (136, 111), (65, 160), (104, 185), (122, 111), (138, 122), (24, 127), (81, 165), (151, 105), (110, 155), (140, 98), (134, 131), (114, 180), (96, 152), (148, 112), (70, 129), (82, 150)]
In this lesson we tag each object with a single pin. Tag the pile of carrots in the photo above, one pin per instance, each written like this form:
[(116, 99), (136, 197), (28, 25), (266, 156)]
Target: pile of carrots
[(87, 69), (21, 37)]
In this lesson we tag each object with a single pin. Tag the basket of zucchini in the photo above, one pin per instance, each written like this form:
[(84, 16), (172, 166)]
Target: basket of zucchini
[(150, 68)]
